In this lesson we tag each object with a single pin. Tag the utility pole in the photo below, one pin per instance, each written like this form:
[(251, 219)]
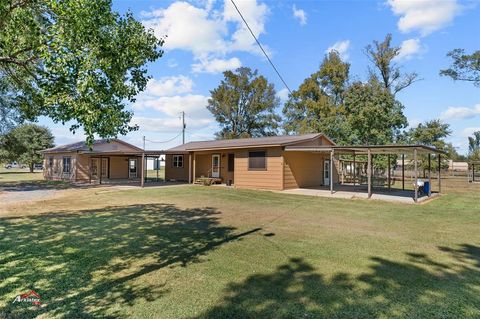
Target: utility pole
[(183, 127)]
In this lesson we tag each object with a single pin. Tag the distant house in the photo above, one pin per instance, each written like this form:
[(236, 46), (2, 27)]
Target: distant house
[(115, 160)]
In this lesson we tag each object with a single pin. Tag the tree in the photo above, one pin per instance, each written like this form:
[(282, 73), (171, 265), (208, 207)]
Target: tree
[(386, 71), (374, 116), (75, 60), (23, 143), (431, 133), (244, 105), (474, 146), (9, 116), (317, 105), (465, 67)]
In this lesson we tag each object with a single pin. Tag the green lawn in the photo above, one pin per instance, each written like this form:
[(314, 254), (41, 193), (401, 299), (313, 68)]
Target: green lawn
[(211, 252)]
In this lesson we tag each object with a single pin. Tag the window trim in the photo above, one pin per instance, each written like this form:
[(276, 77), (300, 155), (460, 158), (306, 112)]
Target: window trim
[(69, 165), (173, 160), (254, 168)]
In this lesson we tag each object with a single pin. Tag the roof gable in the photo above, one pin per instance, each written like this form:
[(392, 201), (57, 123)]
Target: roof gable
[(98, 146), (249, 142)]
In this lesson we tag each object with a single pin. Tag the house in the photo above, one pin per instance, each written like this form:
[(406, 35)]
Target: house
[(105, 160), (263, 162), (273, 163)]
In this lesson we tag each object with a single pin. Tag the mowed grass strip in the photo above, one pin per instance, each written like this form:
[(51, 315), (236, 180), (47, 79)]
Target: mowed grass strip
[(210, 252)]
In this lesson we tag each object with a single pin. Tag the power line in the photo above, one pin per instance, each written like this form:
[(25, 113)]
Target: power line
[(161, 142), (261, 47)]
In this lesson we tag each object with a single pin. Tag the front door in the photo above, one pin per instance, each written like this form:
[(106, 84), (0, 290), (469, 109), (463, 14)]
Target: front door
[(216, 165), (94, 168), (326, 172), (132, 168)]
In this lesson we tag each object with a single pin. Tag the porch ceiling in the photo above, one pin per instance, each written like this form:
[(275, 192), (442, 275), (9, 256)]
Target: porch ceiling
[(363, 150)]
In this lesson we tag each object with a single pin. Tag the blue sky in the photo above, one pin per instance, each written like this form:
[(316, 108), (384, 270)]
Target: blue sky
[(208, 37)]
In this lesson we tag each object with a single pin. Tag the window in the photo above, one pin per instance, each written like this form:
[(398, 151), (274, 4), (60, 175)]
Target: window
[(257, 160), (50, 162), (231, 162), (67, 161), (177, 161)]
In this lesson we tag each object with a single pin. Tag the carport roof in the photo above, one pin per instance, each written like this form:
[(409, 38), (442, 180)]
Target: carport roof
[(374, 149)]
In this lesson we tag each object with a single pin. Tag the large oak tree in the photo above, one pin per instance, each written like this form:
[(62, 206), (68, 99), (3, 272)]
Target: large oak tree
[(244, 105), (74, 60)]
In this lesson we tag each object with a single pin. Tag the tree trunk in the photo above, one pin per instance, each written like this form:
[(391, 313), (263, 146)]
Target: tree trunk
[(31, 167)]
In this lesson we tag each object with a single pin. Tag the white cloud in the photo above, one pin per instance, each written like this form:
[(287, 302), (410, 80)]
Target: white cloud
[(255, 14), (283, 95), (208, 33), (167, 125), (187, 28), (167, 86), (425, 16), (300, 15), (216, 65), (468, 131), (193, 104), (409, 48), (341, 47), (453, 113), (413, 122)]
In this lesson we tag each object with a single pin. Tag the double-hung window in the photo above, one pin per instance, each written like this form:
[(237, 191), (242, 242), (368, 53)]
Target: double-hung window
[(67, 165), (177, 161), (257, 161)]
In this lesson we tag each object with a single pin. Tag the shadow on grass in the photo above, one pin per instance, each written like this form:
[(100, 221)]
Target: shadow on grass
[(85, 264), (418, 288)]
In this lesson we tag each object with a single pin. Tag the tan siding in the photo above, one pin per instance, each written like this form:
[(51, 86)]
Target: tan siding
[(119, 167), (83, 168), (271, 178), (303, 169), (56, 171), (176, 173)]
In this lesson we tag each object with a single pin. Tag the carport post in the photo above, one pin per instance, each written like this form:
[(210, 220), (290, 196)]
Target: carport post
[(354, 170), (142, 182), (429, 175), (439, 177), (403, 171), (416, 174), (388, 179), (331, 170), (101, 170), (369, 173)]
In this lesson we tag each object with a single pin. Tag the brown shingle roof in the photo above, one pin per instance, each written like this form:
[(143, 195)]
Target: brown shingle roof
[(82, 146), (245, 142)]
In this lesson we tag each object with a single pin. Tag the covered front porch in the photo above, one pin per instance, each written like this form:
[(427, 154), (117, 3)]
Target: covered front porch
[(367, 172)]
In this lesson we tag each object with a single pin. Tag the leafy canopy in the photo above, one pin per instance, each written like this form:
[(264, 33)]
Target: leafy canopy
[(474, 146), (75, 60), (23, 143), (317, 105), (465, 67), (244, 105)]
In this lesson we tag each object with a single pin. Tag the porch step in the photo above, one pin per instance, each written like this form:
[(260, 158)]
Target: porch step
[(208, 180)]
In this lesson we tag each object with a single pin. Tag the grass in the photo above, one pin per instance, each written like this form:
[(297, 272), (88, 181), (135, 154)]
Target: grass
[(210, 252)]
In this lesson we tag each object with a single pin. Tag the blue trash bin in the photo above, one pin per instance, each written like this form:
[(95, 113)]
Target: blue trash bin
[(426, 187)]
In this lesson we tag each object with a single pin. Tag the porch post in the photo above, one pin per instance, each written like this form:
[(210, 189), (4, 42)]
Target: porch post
[(416, 174), (194, 175), (388, 176), (331, 170), (369, 173), (439, 170), (429, 175), (101, 170), (142, 182), (189, 168), (403, 171)]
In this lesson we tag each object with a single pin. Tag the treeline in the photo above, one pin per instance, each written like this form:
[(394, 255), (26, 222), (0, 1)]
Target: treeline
[(333, 101)]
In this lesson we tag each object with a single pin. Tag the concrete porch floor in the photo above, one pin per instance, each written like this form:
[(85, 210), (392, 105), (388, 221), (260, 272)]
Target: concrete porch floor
[(360, 192)]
